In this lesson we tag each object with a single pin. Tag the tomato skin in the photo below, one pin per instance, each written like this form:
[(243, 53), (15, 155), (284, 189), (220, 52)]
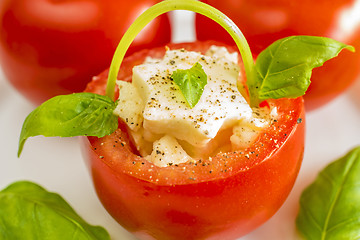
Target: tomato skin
[(220, 198), (50, 47), (264, 21)]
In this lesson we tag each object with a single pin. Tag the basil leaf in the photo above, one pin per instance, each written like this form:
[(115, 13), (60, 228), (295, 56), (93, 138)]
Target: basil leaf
[(78, 114), (284, 68), (191, 83), (330, 206), (28, 211)]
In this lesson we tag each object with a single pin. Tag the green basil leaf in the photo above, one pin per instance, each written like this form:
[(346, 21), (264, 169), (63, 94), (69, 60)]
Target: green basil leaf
[(28, 211), (191, 83), (78, 114), (330, 206), (284, 68)]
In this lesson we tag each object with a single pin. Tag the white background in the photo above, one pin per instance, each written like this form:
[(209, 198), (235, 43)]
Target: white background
[(57, 164)]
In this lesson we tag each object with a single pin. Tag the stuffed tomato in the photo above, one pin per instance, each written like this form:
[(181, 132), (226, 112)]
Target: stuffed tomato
[(222, 196), (48, 48), (195, 142), (264, 21)]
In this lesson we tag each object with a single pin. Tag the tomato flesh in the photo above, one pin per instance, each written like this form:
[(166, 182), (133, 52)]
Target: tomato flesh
[(264, 21), (49, 47), (222, 197)]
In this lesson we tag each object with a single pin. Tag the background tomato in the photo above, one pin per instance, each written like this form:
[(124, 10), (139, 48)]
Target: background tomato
[(264, 21), (52, 47), (223, 197)]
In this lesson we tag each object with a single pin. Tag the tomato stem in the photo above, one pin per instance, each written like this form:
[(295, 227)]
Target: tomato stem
[(171, 5)]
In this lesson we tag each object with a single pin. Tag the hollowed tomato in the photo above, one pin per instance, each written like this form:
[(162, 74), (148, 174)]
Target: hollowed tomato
[(221, 197)]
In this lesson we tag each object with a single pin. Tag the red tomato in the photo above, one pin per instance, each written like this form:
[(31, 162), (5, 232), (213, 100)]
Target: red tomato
[(55, 47), (264, 21), (222, 197)]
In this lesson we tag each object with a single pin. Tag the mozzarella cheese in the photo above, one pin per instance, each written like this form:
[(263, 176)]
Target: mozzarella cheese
[(165, 150), (166, 110), (158, 115), (130, 105)]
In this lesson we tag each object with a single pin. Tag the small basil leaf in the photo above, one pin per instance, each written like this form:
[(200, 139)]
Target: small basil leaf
[(28, 211), (329, 207), (284, 68), (78, 114), (191, 83)]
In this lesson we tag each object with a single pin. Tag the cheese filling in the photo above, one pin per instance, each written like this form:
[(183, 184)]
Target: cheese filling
[(166, 130)]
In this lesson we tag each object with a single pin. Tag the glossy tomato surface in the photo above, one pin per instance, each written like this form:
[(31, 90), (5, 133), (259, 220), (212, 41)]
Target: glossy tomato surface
[(52, 47), (221, 197), (264, 21)]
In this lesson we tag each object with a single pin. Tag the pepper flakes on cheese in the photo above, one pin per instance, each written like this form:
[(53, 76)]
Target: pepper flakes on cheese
[(161, 118)]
